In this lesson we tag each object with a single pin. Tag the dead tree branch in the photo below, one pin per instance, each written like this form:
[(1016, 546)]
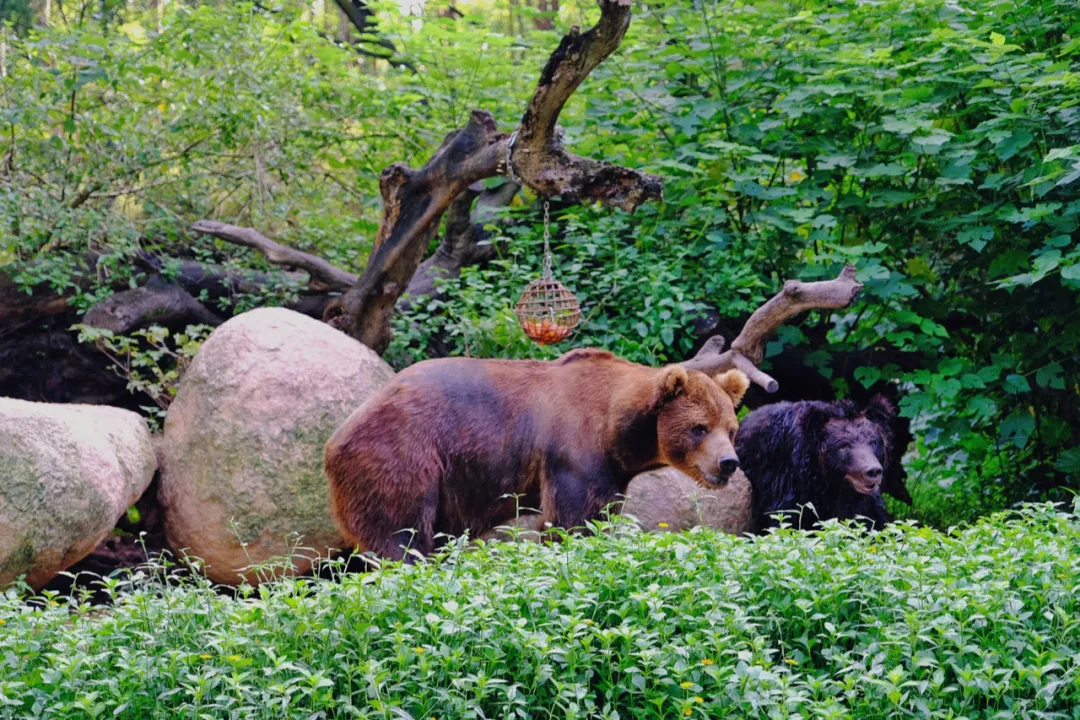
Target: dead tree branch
[(414, 200), (465, 242), (748, 349), (324, 276), (157, 303)]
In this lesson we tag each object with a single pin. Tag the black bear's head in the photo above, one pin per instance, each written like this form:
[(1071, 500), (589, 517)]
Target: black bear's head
[(856, 447)]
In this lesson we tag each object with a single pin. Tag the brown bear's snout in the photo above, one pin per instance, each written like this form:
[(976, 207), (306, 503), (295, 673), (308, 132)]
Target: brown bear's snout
[(725, 467)]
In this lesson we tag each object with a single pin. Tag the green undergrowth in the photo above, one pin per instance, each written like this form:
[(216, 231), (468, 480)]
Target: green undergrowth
[(977, 622)]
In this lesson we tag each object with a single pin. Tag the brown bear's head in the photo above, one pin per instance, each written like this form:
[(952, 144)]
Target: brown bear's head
[(856, 448), (696, 422)]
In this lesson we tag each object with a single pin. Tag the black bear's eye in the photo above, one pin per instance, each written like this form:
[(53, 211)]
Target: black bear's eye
[(699, 431)]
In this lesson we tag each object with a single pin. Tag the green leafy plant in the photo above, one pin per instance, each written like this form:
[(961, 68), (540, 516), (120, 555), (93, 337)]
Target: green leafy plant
[(977, 622), (151, 360)]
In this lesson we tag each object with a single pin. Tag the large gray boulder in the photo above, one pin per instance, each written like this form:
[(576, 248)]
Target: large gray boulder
[(242, 453), (67, 474), (666, 500)]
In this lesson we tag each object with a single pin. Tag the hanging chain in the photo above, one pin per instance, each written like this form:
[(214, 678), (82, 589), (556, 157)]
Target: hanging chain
[(508, 171), (547, 242)]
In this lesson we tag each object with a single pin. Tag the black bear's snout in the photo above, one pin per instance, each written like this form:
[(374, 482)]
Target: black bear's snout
[(874, 473), (728, 465)]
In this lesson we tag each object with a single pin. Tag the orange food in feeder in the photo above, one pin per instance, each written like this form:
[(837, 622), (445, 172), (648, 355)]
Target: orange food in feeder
[(547, 311)]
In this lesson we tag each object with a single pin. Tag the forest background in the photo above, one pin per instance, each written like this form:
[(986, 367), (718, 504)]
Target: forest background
[(933, 144)]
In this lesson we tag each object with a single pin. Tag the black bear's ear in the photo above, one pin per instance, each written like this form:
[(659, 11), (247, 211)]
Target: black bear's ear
[(735, 383), (880, 410), (673, 382)]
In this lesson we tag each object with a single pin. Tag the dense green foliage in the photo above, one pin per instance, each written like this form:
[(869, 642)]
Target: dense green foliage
[(978, 623), (935, 144)]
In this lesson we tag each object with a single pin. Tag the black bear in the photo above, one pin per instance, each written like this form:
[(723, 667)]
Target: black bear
[(438, 448), (829, 454)]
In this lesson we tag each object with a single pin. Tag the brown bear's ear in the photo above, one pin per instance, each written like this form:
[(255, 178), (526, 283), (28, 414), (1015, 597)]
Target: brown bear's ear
[(734, 383), (673, 382)]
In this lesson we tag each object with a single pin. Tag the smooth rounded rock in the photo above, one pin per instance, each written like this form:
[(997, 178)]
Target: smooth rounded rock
[(666, 500), (67, 474), (242, 455)]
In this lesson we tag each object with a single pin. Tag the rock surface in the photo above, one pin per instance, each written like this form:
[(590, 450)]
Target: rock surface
[(67, 474), (242, 452), (667, 500)]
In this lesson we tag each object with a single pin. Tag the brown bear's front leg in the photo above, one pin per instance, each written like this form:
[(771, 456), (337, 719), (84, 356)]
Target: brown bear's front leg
[(572, 499)]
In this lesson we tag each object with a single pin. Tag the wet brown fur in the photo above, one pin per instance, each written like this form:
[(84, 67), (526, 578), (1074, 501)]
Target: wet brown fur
[(436, 449)]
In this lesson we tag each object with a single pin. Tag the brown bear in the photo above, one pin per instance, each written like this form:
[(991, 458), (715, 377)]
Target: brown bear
[(439, 448)]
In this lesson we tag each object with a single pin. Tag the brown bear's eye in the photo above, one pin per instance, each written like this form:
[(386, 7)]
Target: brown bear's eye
[(731, 435), (699, 431)]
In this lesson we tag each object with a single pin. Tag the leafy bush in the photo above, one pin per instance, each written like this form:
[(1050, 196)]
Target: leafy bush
[(934, 145), (151, 362), (978, 622)]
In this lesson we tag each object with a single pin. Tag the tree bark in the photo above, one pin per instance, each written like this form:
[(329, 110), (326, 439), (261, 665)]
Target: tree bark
[(415, 201), (156, 303), (466, 241)]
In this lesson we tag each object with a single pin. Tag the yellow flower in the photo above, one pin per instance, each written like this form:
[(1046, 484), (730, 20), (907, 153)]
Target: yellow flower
[(205, 656), (872, 548), (232, 658), (789, 661), (662, 524), (796, 176), (686, 685), (707, 661), (3, 621), (419, 650), (698, 699), (687, 711)]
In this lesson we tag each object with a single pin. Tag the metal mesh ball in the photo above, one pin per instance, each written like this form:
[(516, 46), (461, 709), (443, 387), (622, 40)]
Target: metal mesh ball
[(547, 311)]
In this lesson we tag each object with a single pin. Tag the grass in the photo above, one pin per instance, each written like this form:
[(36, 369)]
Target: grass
[(978, 622)]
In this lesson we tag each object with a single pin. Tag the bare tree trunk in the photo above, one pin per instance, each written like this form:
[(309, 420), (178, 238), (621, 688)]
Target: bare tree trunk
[(414, 200), (550, 8)]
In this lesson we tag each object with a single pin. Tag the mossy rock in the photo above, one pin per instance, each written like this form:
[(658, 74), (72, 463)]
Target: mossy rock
[(242, 453), (67, 474)]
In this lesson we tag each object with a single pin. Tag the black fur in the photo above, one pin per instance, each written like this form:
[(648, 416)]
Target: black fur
[(791, 454)]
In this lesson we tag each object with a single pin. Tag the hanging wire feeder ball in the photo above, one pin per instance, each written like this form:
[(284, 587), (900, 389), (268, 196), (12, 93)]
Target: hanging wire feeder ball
[(547, 311)]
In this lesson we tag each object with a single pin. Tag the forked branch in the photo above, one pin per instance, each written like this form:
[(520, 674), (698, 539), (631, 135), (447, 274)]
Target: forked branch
[(748, 349), (414, 201)]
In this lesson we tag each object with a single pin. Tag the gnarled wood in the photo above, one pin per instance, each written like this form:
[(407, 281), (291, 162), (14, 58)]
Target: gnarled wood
[(324, 276), (748, 349), (414, 201), (464, 243), (156, 303)]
